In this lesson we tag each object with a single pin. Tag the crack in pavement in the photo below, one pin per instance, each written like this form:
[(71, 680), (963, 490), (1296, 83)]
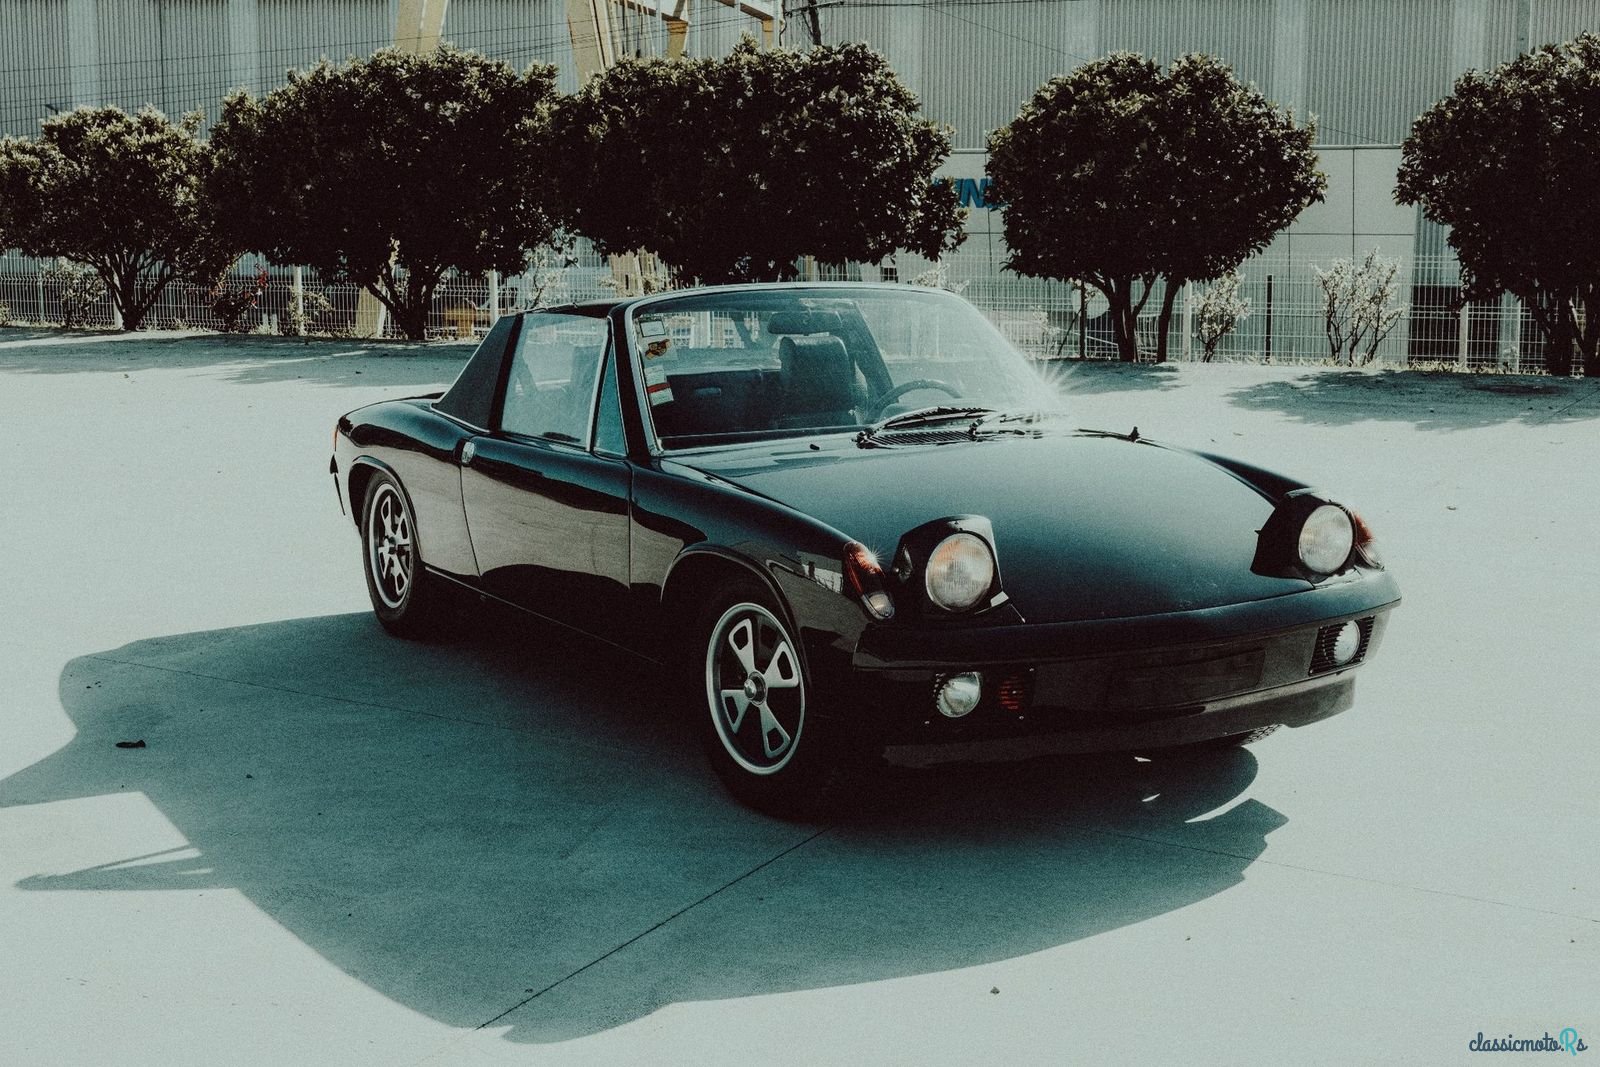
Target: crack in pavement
[(1577, 401), (641, 935)]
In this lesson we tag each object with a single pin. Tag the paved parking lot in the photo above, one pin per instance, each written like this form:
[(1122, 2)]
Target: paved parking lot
[(339, 848)]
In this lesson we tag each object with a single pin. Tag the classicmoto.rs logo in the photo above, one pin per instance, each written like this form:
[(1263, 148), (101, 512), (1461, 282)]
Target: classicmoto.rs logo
[(1566, 1041)]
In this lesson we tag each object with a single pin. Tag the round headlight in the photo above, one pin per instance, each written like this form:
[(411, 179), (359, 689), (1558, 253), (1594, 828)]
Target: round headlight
[(960, 571), (1326, 539)]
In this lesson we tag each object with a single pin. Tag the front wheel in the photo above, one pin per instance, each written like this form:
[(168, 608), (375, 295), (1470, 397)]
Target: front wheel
[(757, 728), (403, 594)]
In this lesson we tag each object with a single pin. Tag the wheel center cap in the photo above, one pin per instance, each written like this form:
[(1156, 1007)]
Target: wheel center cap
[(755, 688)]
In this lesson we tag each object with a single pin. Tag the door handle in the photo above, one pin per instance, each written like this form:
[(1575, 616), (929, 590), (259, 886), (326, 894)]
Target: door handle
[(469, 448)]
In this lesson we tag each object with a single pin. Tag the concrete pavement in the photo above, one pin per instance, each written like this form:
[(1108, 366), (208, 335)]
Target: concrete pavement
[(341, 848)]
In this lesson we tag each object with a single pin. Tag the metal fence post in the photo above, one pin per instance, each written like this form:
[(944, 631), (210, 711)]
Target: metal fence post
[(1188, 323), (1461, 341), (494, 297), (1083, 320), (297, 283), (38, 282), (1267, 358)]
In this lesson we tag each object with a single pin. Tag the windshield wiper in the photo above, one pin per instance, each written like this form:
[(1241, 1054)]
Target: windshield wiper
[(922, 417)]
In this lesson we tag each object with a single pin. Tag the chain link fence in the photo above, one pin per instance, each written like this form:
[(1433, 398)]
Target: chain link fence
[(1285, 322)]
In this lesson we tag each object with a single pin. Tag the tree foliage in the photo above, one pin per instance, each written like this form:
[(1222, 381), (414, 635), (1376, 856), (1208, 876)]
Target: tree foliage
[(389, 170), (733, 169), (1507, 162), (1120, 173), (113, 191)]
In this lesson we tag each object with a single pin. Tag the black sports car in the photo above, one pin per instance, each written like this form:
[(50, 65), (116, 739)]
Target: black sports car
[(852, 518)]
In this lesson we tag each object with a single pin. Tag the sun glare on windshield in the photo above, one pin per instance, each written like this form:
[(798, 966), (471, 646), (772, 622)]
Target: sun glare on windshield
[(776, 362)]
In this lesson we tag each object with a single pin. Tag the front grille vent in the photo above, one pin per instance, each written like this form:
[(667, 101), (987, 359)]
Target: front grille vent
[(1322, 654), (920, 437)]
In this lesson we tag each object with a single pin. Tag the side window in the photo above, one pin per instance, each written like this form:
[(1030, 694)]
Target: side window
[(608, 435), (550, 383)]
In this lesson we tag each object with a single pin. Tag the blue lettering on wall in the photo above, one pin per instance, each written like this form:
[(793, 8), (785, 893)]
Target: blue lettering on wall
[(974, 192)]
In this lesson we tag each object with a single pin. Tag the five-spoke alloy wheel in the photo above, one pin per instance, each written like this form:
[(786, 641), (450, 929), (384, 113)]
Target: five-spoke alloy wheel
[(757, 725), (756, 692), (401, 592)]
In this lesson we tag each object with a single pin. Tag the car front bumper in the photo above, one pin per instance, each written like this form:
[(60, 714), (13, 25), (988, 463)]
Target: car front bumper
[(1120, 685)]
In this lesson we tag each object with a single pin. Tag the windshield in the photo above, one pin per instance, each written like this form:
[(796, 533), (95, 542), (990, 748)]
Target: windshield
[(783, 361)]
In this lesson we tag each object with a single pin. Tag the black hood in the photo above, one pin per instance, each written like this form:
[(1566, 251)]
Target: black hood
[(1086, 526)]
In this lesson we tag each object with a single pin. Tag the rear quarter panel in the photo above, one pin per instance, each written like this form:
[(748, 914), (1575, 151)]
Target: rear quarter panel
[(419, 447)]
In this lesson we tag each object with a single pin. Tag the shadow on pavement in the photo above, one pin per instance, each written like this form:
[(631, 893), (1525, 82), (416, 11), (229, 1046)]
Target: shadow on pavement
[(1108, 376), (468, 828), (247, 360), (1429, 400)]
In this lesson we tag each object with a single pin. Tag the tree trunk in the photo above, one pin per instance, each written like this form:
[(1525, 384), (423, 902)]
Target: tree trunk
[(408, 306), (125, 294), (1559, 360), (412, 318), (1119, 294), (1549, 311), (1171, 288), (1588, 334)]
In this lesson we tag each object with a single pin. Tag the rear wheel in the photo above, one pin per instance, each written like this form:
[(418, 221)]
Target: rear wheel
[(404, 596), (756, 725)]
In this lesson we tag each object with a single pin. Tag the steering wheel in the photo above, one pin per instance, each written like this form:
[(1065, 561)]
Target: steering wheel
[(884, 399)]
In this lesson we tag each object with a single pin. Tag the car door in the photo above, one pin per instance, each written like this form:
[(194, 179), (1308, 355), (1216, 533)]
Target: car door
[(546, 503)]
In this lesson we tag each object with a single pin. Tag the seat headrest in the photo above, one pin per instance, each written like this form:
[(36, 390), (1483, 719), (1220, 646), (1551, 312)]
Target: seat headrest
[(817, 375)]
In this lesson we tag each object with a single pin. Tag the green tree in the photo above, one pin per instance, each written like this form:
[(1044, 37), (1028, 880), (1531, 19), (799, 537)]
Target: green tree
[(113, 191), (1507, 162), (1118, 174), (733, 169), (389, 170)]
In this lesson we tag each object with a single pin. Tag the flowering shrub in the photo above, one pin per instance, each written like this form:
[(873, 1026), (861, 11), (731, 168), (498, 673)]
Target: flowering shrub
[(229, 303), (1219, 311), (1358, 308), (77, 287)]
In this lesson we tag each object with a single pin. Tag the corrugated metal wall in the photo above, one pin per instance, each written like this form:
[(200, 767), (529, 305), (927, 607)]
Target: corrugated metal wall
[(517, 31), (131, 71), (34, 62), (197, 68), (1369, 65), (981, 63), (1561, 20), (299, 33), (1239, 31), (1358, 46)]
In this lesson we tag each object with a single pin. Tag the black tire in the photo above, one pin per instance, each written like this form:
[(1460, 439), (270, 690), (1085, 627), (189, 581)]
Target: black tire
[(766, 746), (405, 598)]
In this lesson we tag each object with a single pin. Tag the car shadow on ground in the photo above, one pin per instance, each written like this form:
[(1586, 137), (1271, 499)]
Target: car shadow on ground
[(467, 828), (1428, 400), (251, 359)]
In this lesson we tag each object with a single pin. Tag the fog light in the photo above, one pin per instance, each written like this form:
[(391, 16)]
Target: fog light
[(1347, 643), (958, 694)]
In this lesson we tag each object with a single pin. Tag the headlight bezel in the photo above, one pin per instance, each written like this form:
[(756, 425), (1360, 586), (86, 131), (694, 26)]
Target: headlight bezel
[(1280, 546), (937, 579)]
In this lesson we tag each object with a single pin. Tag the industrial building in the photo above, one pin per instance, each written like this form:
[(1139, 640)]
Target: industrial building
[(1363, 68)]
